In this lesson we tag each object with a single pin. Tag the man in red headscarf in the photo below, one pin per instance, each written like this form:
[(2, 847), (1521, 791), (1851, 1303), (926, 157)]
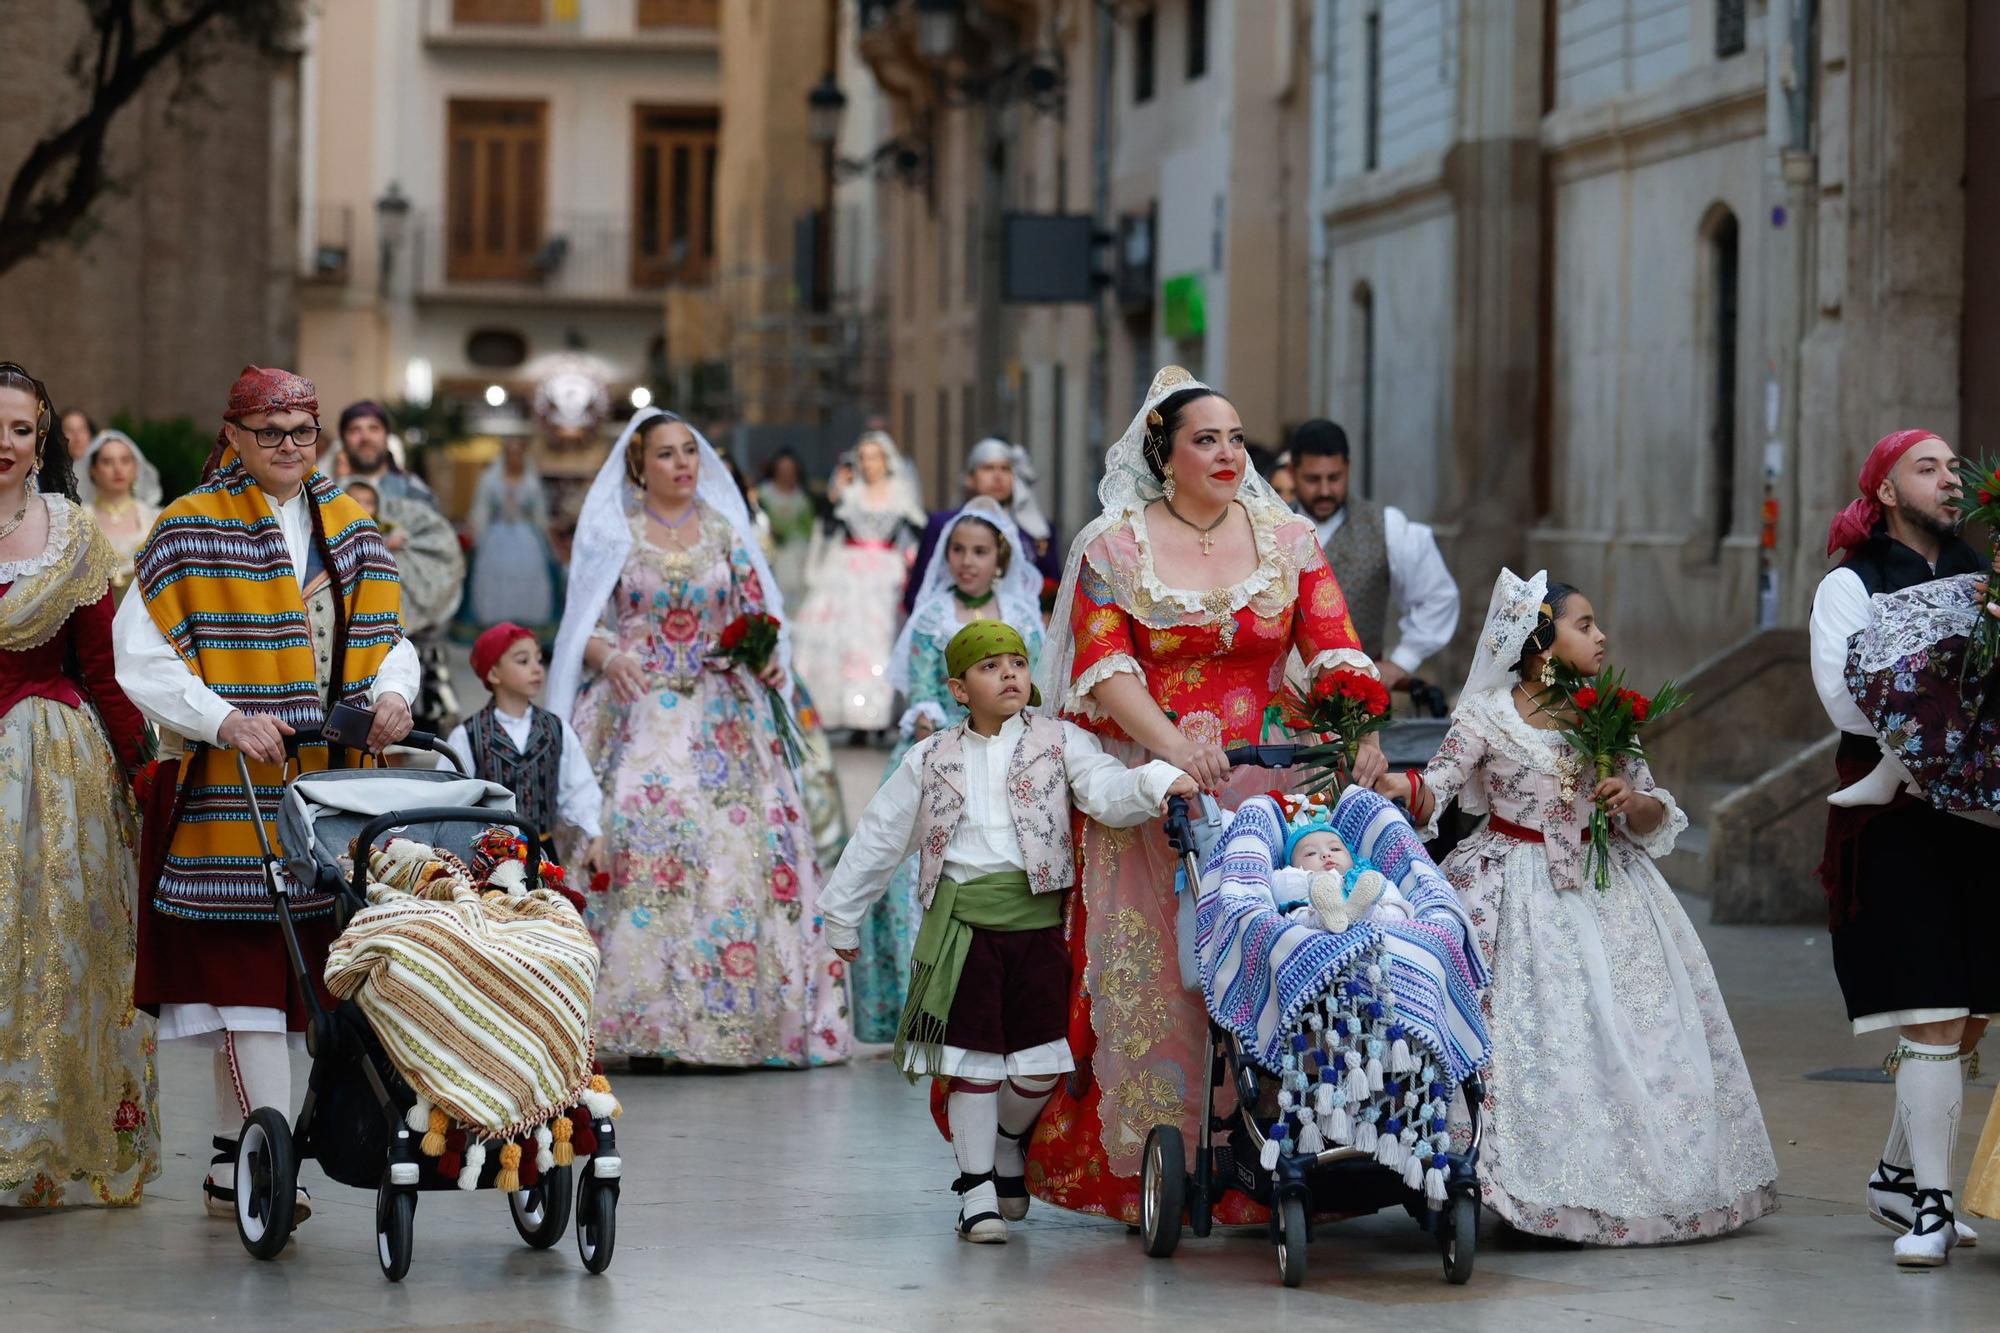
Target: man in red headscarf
[(1912, 908), (263, 597)]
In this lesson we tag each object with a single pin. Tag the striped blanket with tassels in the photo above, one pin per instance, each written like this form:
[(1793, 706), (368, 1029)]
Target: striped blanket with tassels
[(1259, 971), (482, 1001)]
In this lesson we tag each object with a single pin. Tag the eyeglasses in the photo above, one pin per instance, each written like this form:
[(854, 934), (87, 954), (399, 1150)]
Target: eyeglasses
[(270, 437)]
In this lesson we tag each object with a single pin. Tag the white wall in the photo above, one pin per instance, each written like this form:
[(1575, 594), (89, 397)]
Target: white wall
[(1419, 82)]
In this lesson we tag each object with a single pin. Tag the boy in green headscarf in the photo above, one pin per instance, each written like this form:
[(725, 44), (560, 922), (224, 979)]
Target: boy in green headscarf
[(985, 807)]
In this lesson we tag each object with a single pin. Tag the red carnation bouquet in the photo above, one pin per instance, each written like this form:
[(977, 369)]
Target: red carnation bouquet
[(1602, 722), (1342, 709), (750, 641)]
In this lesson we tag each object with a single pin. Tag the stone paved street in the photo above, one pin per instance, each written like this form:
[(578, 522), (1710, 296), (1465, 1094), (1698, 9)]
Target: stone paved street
[(808, 1201)]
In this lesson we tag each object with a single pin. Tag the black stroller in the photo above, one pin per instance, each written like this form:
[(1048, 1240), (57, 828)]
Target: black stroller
[(1297, 1187), (352, 1121)]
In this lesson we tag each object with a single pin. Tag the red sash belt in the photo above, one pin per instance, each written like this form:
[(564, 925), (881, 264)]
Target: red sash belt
[(1508, 829), (871, 545)]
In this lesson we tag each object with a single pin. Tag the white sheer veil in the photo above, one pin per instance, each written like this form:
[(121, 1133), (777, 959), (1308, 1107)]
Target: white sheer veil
[(1128, 486), (1510, 618), (604, 540), (145, 485), (908, 498), (1018, 592)]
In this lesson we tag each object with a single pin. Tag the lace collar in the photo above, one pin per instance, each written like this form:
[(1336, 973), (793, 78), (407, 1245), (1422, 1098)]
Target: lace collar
[(62, 521), (712, 530), (1275, 565), (1494, 714)]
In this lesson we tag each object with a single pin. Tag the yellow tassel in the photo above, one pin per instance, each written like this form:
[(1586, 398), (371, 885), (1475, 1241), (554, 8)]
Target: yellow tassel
[(509, 1178), (433, 1144), (563, 1129)]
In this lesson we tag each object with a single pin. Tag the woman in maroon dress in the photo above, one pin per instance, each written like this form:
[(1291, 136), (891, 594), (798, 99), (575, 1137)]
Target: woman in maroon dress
[(78, 1113)]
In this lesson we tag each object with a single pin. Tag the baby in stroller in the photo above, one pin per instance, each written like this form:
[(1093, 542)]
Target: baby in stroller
[(1323, 884)]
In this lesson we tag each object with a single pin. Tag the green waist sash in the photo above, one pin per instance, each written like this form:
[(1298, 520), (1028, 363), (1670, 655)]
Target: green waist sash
[(987, 902)]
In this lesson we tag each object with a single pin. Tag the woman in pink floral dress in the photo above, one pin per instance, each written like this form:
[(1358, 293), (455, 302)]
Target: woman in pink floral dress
[(710, 930)]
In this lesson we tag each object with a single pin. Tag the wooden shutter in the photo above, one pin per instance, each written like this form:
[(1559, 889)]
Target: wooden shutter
[(673, 194), (496, 11), (677, 13), (496, 174)]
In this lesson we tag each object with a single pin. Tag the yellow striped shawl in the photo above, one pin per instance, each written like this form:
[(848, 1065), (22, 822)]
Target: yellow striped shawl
[(218, 582), (482, 1002)]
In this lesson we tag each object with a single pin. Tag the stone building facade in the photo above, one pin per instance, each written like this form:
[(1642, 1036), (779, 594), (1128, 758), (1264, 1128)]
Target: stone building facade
[(1625, 288), (183, 270)]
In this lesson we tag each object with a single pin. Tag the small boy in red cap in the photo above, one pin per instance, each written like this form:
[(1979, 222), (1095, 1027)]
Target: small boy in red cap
[(526, 749)]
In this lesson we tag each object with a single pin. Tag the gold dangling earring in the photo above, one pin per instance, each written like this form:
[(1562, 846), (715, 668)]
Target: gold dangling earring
[(1549, 671), (1167, 484)]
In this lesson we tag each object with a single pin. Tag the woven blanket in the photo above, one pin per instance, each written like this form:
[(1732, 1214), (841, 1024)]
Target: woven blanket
[(482, 1001), (1260, 971)]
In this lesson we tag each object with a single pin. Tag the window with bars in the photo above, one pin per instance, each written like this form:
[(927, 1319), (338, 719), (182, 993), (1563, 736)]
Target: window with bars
[(1732, 28), (1371, 93), (1145, 34), (1197, 39), (673, 194), (495, 194)]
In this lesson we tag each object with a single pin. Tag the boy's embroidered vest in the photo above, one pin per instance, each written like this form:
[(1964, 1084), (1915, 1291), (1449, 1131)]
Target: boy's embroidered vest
[(1037, 799), (534, 775)]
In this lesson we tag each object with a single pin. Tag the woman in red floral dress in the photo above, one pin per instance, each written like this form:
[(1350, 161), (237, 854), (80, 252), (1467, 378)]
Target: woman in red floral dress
[(1178, 613)]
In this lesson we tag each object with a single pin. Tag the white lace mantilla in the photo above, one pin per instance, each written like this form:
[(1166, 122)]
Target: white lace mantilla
[(62, 519), (1915, 620)]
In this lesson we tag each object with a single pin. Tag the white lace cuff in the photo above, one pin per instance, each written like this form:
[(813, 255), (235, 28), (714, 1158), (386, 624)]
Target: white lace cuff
[(1661, 840), (918, 712), (1338, 659), (1079, 700)]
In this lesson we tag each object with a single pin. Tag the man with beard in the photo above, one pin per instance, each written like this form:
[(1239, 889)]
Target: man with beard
[(1384, 561), (1911, 903), (1003, 473), (364, 441), (424, 545)]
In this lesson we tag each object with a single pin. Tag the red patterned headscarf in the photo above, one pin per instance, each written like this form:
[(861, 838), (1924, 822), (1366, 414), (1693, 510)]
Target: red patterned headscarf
[(1852, 525), (259, 389)]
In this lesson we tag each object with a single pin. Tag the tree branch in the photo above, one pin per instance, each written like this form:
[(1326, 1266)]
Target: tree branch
[(39, 210)]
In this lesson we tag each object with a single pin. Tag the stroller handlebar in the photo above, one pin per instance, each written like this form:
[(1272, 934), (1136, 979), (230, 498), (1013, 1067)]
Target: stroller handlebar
[(1180, 827)]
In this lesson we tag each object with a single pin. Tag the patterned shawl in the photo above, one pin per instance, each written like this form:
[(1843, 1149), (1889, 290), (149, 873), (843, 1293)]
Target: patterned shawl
[(218, 581)]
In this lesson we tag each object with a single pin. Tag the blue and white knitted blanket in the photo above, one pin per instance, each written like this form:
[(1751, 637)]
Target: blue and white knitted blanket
[(1260, 971)]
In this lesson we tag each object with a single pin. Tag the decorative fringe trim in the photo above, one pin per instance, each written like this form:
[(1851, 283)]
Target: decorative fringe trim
[(545, 1158), (475, 1162), (509, 1178), (434, 1132), (563, 1130)]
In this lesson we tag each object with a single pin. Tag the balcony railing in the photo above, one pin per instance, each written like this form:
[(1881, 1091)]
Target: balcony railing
[(571, 22), (580, 257), (328, 256)]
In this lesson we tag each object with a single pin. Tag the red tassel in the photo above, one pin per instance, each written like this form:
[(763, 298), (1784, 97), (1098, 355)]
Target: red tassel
[(451, 1163), (531, 1174), (454, 1143), (585, 1138)]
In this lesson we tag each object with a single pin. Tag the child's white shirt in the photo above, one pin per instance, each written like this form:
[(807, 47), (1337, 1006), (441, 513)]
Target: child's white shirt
[(578, 800), (984, 842), (1289, 884)]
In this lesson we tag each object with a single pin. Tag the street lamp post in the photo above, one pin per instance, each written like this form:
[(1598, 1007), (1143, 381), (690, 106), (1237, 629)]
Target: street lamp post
[(825, 104), (392, 219)]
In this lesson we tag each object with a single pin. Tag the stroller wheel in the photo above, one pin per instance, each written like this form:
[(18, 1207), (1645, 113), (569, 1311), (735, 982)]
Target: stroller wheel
[(1291, 1221), (1162, 1190), (395, 1228), (596, 1221), (1459, 1239), (541, 1214), (267, 1181)]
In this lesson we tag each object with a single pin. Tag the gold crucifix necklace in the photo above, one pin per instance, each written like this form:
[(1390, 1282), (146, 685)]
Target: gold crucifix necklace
[(1207, 534)]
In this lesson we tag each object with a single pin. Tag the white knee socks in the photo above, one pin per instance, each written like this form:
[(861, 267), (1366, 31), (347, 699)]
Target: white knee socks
[(1930, 1092), (973, 1112), (1021, 1100), (252, 1069)]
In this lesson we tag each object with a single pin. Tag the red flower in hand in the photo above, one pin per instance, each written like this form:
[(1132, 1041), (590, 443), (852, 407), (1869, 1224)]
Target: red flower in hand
[(733, 632), (1641, 706), (1585, 698)]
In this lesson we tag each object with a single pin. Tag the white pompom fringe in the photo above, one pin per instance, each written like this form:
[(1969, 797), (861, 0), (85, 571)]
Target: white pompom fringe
[(419, 1115), (1336, 1129), (602, 1105), (1399, 1058), (545, 1157), (1434, 1190), (475, 1162), (1364, 1135), (1269, 1157), (1310, 1142), (1374, 1076), (1413, 1173)]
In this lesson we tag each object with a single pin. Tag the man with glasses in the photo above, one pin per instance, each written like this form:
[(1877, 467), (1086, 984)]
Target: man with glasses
[(266, 597)]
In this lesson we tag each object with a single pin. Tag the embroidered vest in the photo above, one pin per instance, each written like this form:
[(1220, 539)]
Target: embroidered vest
[(1037, 800), (532, 775), (1359, 554)]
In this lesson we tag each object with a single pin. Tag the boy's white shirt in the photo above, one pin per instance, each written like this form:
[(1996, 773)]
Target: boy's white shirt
[(984, 842), (578, 799), (1289, 883)]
